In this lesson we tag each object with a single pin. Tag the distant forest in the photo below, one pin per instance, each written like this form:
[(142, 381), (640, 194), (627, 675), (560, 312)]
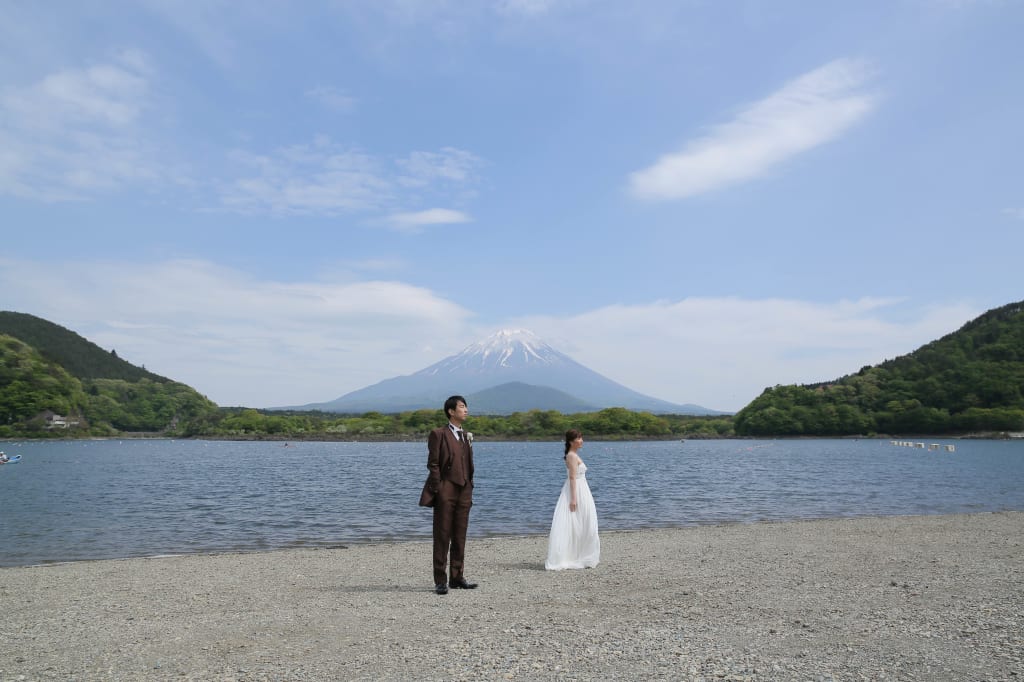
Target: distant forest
[(970, 382), (612, 423)]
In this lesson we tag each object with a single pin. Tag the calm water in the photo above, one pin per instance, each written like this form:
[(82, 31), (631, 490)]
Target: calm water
[(79, 500)]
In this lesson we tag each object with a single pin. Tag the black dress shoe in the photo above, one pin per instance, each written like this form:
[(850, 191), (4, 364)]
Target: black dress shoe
[(441, 588), (461, 584)]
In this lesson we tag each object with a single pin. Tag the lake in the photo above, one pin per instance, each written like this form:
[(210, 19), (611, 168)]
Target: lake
[(79, 500)]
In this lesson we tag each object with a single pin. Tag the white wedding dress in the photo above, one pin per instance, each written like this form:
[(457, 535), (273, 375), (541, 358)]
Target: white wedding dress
[(573, 542)]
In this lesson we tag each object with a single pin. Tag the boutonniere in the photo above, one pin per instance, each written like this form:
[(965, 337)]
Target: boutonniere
[(469, 437)]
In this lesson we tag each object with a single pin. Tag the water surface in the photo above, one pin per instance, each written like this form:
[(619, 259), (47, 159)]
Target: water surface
[(75, 500)]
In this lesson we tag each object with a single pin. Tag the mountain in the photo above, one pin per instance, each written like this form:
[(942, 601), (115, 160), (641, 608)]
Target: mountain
[(532, 374), (969, 381)]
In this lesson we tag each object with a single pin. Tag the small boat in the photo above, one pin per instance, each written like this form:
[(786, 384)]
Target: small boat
[(13, 460)]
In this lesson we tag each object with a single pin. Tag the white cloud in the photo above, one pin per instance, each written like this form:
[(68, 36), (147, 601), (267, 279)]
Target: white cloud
[(1017, 213), (108, 96), (76, 132), (722, 352), (807, 112), (434, 216), (238, 339)]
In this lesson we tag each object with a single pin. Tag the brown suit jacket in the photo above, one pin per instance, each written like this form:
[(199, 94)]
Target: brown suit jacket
[(441, 447)]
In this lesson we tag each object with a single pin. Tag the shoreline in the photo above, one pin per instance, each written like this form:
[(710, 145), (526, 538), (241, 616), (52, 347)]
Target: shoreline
[(421, 538), (896, 597), (397, 438)]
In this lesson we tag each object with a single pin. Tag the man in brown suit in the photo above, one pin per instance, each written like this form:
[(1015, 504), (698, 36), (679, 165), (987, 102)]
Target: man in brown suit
[(450, 461)]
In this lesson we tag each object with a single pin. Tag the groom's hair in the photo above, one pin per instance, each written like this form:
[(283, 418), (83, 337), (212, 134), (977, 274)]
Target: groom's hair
[(452, 403)]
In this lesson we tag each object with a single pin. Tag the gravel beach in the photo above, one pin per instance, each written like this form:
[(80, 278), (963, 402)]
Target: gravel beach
[(887, 598)]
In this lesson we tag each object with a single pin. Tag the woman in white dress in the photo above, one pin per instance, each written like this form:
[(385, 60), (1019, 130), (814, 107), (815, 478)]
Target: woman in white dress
[(573, 541)]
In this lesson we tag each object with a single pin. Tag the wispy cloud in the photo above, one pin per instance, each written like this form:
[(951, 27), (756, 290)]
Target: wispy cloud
[(324, 178), (317, 178), (807, 112), (1017, 213), (433, 216), (104, 95), (450, 164), (213, 27), (332, 98), (77, 132), (527, 7)]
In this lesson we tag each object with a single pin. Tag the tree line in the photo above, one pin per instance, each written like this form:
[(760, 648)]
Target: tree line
[(614, 422)]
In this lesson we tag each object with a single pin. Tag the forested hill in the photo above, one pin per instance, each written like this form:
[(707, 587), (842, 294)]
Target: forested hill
[(79, 356), (53, 383), (971, 380)]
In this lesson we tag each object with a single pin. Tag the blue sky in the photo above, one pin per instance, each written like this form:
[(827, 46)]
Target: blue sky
[(278, 203)]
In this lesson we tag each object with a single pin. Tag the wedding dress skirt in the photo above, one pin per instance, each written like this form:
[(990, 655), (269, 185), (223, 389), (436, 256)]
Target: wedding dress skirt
[(573, 541)]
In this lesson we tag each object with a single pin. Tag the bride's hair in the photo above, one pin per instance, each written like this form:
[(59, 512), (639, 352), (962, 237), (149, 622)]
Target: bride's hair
[(570, 436)]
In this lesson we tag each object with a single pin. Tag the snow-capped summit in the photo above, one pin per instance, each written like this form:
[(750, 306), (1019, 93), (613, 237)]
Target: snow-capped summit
[(505, 349), (504, 345)]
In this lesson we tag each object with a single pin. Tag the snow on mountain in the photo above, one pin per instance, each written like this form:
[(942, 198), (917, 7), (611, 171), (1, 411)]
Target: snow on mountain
[(509, 357), (505, 350)]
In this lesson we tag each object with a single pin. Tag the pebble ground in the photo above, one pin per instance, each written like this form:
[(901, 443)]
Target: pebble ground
[(888, 598)]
